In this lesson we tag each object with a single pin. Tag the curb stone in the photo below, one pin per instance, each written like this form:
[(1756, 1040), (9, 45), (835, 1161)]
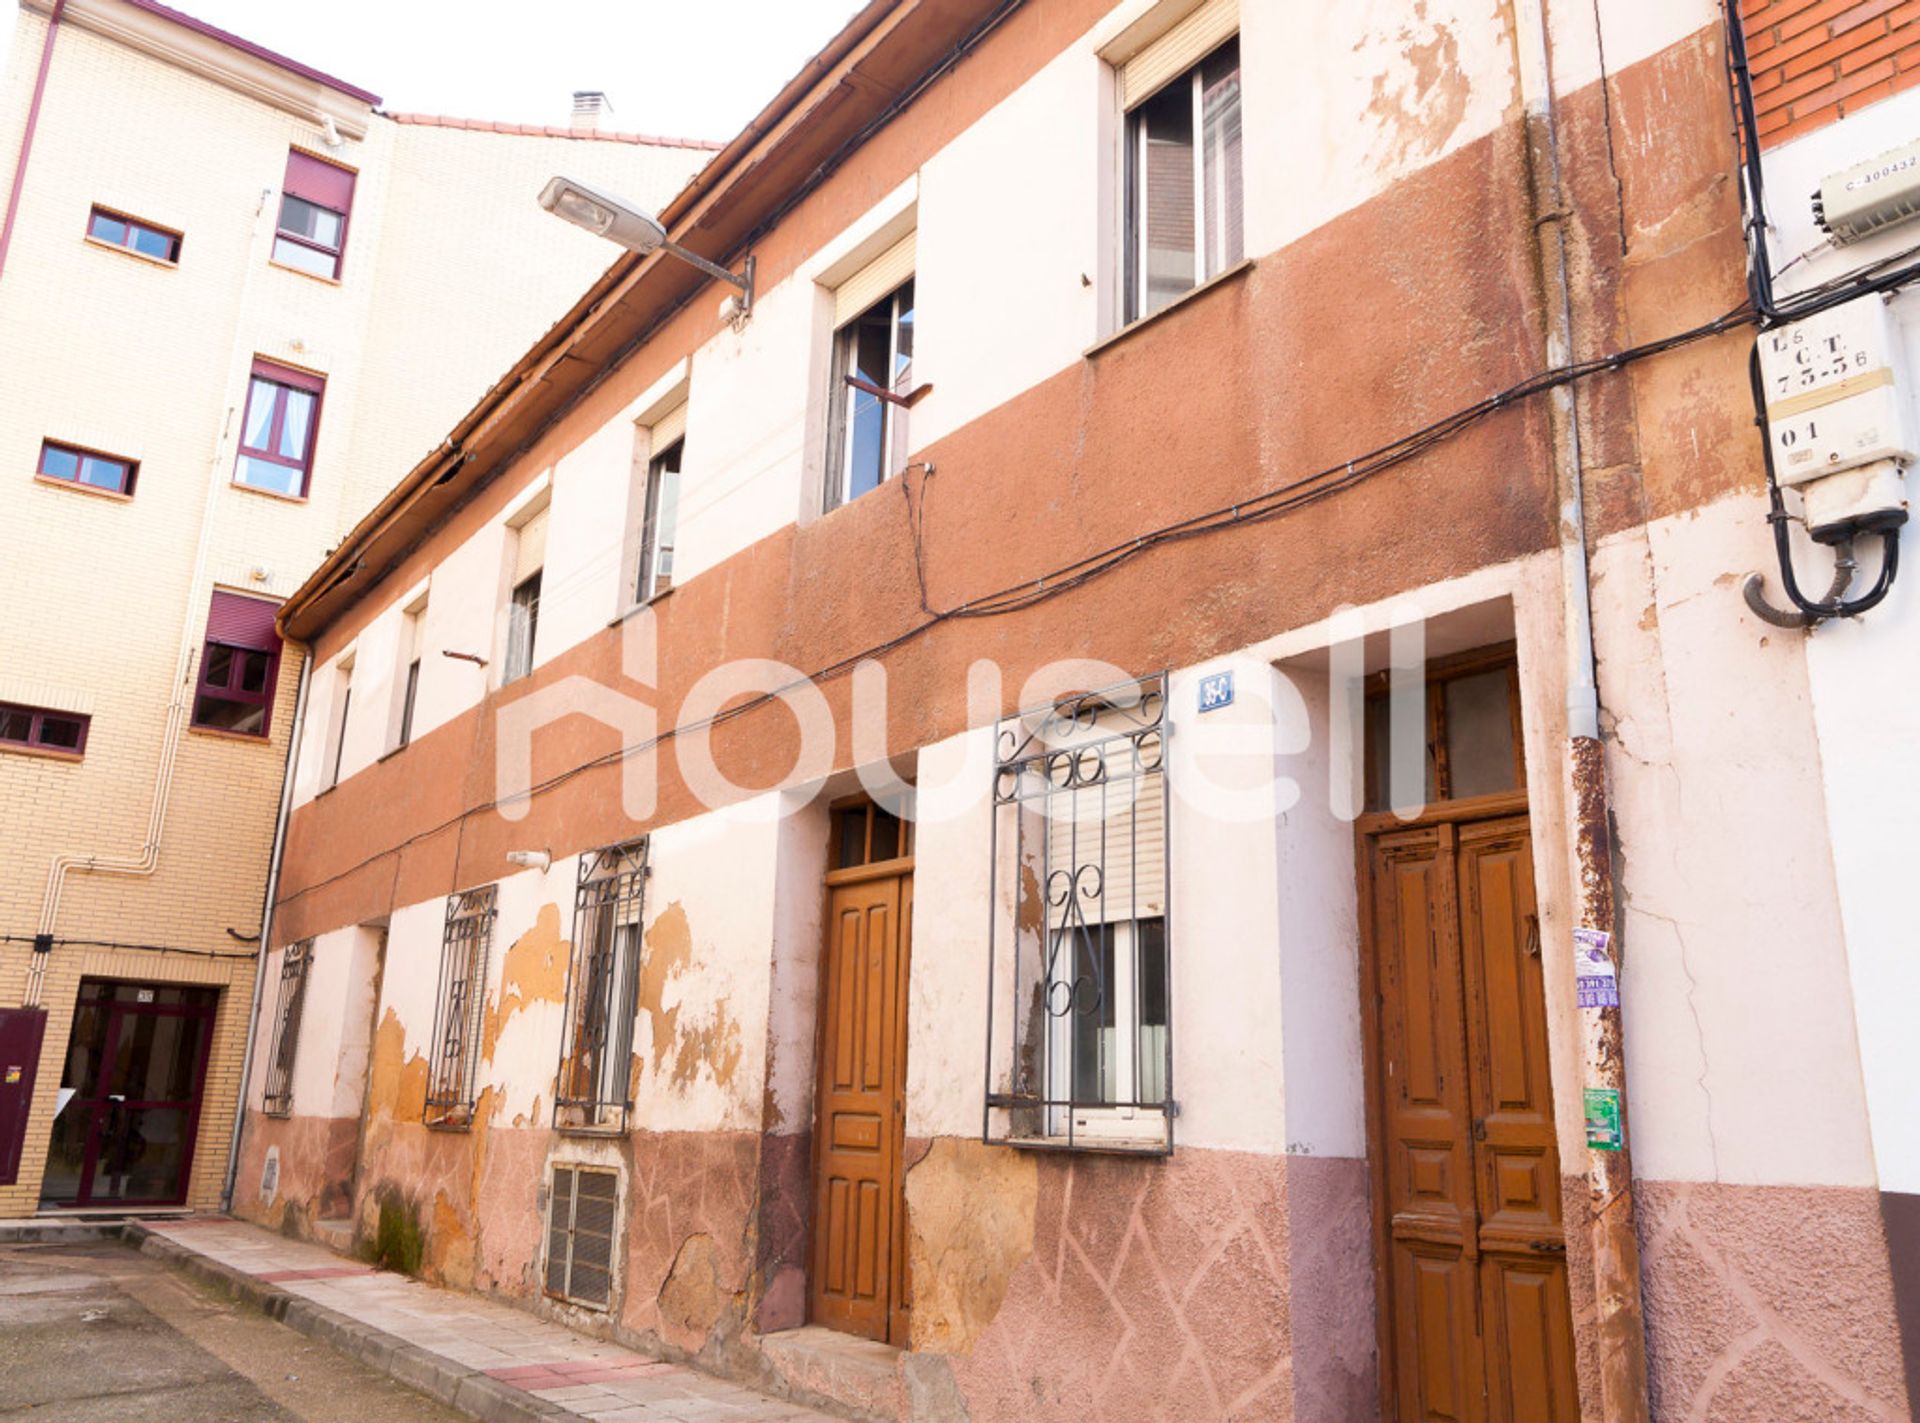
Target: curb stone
[(461, 1388)]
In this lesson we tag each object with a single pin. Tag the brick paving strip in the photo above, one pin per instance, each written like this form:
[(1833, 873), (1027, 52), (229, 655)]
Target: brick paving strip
[(486, 1359)]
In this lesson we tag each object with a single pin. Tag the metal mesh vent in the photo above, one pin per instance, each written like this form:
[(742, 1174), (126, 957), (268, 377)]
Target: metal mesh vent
[(580, 1229)]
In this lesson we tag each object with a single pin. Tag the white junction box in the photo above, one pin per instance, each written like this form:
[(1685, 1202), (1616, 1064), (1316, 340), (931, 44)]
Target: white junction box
[(1839, 416)]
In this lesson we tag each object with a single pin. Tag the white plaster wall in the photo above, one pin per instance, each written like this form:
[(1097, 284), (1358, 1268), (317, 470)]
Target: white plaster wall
[(799, 932), (586, 523)]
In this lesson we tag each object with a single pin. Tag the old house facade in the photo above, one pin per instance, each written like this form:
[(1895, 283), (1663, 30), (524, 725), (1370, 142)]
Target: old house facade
[(1000, 834), (214, 264)]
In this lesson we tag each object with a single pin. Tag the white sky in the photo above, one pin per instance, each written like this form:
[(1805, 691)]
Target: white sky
[(683, 68)]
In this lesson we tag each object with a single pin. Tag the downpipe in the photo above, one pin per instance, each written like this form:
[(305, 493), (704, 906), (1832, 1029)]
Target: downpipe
[(1620, 1322), (266, 938)]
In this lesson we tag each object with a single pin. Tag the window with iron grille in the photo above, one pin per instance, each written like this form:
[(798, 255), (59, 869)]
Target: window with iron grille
[(580, 1218), (457, 1010), (603, 980), (1079, 1045), (294, 963)]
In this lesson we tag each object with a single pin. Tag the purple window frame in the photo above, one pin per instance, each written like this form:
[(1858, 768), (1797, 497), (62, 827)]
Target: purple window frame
[(129, 469), (322, 184), (36, 729), (232, 691), (130, 226), (282, 379)]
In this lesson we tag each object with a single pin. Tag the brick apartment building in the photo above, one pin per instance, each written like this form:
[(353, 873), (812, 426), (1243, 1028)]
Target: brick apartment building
[(215, 269)]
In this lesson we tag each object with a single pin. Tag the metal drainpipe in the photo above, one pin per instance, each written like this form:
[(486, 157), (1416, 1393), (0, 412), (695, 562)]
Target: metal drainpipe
[(1620, 1320), (266, 934), (26, 134)]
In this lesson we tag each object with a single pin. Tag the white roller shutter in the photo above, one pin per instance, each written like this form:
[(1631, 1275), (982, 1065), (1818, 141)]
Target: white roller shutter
[(872, 282), (668, 428), (1189, 41), (530, 550)]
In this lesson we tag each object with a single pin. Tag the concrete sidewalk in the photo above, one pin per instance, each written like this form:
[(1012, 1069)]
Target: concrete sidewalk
[(486, 1359)]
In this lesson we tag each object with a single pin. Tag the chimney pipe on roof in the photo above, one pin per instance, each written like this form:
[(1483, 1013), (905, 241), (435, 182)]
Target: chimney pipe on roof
[(590, 106)]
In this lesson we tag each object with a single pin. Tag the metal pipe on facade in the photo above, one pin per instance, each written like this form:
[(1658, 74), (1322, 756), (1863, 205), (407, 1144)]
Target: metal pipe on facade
[(266, 933), (1620, 1318), (26, 134)]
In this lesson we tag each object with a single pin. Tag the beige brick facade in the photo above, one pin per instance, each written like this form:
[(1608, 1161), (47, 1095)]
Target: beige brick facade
[(107, 598)]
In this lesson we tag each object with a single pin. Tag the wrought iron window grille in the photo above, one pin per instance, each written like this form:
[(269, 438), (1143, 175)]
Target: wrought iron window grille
[(458, 1007), (294, 964), (1079, 958), (581, 1213), (593, 1091)]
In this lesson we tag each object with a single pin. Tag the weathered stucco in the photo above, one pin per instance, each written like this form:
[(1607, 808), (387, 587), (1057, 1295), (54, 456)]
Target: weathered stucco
[(970, 1224)]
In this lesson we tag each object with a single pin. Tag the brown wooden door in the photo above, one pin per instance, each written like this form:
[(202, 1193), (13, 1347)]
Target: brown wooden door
[(859, 1214), (1475, 1313)]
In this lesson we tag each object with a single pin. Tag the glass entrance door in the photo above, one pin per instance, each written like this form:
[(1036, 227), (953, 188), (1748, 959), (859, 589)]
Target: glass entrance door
[(130, 1096)]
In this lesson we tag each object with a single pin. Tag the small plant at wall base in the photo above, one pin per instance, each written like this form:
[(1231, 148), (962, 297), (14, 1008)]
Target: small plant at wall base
[(397, 1243)]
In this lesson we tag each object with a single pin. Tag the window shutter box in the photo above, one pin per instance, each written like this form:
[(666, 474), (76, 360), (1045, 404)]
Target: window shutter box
[(239, 621), (874, 281), (530, 551), (668, 428), (1189, 41), (318, 181)]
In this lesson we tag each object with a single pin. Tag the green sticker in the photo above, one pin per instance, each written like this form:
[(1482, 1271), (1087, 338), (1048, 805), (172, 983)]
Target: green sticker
[(1603, 1119)]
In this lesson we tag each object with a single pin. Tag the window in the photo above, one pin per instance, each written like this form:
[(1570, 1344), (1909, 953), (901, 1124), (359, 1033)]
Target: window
[(457, 1011), (1471, 726), (342, 708), (135, 236), (603, 982), (1184, 215), (523, 604), (1080, 941), (87, 467), (872, 385), (656, 528), (294, 963), (37, 729), (238, 666), (315, 199), (276, 437), (413, 640), (581, 1213)]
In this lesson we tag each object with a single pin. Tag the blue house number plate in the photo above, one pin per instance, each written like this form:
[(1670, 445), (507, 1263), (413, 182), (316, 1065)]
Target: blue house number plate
[(1216, 691)]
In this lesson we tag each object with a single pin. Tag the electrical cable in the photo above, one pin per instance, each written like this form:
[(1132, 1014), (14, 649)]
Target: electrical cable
[(1294, 494), (61, 941)]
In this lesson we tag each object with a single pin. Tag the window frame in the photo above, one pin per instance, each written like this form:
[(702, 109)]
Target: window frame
[(603, 990), (843, 398), (1134, 198), (232, 691), (82, 453), (523, 627), (459, 1007), (284, 380), (296, 964), (337, 732), (648, 583), (296, 159), (131, 224), (563, 1265), (34, 743), (1101, 751)]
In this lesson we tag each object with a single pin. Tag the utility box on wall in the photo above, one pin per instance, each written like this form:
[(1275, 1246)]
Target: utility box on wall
[(21, 1032), (1839, 416)]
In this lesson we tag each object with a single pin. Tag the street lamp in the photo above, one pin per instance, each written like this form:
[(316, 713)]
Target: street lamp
[(608, 215)]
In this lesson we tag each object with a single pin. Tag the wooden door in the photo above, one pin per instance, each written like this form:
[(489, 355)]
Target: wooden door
[(859, 1214), (1476, 1323)]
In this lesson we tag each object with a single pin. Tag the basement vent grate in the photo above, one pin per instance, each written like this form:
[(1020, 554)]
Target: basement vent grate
[(580, 1219)]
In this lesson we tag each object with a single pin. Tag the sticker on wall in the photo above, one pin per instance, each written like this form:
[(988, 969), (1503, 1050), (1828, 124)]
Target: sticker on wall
[(1603, 1119), (1594, 977), (270, 1176), (143, 995), (1216, 691), (13, 1076)]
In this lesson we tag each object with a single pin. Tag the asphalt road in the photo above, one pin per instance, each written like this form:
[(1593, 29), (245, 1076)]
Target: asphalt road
[(98, 1333)]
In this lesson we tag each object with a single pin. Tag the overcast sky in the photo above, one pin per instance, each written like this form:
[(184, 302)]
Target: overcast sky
[(695, 70)]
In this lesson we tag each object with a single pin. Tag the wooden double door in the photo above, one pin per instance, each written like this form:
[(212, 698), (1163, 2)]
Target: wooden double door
[(1475, 1318), (858, 1279)]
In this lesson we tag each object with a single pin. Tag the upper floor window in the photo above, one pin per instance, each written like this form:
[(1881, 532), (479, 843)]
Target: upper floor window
[(342, 708), (88, 468), (315, 199), (238, 666), (523, 604), (134, 235), (276, 438), (1184, 210), (413, 640), (872, 382), (656, 529), (38, 729)]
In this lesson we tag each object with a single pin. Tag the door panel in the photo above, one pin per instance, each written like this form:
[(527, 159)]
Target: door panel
[(857, 1186), (1480, 1327)]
